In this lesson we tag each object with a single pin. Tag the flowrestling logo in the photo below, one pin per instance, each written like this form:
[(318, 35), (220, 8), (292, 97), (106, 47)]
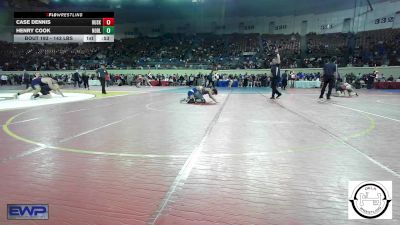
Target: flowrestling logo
[(370, 200), (27, 211)]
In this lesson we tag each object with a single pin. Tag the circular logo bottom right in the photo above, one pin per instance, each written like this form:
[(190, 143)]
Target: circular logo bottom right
[(370, 200)]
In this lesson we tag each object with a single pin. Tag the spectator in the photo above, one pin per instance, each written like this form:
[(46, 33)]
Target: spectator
[(292, 78), (101, 74), (284, 80), (85, 79), (76, 77), (4, 79), (26, 79), (370, 79)]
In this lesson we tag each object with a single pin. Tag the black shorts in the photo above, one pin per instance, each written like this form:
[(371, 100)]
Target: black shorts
[(45, 89)]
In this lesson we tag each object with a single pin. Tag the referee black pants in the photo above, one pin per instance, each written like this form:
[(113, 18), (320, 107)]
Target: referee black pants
[(284, 84), (327, 81), (27, 82), (86, 83), (103, 84), (274, 84)]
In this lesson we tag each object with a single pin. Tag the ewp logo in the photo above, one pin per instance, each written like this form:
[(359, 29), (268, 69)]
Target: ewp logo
[(27, 212)]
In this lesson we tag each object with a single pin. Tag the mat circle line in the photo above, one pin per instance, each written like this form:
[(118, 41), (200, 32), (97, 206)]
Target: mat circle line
[(12, 134)]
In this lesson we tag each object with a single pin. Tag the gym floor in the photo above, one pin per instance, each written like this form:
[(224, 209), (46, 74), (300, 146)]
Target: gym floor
[(146, 158)]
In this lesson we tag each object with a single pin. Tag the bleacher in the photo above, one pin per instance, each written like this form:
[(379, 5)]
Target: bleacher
[(229, 51)]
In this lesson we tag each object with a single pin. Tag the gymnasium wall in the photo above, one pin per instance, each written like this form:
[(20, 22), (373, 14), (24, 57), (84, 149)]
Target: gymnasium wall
[(5, 25), (358, 19), (385, 15)]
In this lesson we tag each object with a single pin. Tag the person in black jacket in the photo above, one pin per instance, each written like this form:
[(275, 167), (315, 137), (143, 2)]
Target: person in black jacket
[(85, 79), (101, 74), (370, 79), (284, 80), (210, 77), (276, 73), (329, 78), (76, 77)]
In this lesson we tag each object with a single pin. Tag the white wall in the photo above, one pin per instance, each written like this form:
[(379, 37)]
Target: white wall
[(360, 21)]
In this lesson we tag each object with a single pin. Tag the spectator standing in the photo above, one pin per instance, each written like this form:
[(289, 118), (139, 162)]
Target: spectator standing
[(108, 79), (215, 79), (76, 78), (159, 81), (191, 80), (85, 79), (181, 79), (170, 81), (284, 80), (245, 81), (4, 79), (253, 80), (210, 79), (26, 79), (292, 79), (371, 78)]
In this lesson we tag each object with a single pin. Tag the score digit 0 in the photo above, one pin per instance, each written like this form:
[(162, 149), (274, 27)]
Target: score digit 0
[(108, 30), (108, 21)]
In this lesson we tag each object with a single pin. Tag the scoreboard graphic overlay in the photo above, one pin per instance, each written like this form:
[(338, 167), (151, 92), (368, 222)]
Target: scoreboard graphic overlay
[(63, 27)]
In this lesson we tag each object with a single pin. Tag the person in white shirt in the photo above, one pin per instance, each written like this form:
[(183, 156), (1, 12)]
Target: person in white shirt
[(292, 77), (4, 79)]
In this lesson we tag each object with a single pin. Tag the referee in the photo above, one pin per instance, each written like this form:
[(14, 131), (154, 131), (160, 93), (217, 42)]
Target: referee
[(101, 74), (276, 73), (329, 78)]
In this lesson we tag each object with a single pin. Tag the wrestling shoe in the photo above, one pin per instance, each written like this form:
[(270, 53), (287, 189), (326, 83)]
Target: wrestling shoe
[(34, 97)]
